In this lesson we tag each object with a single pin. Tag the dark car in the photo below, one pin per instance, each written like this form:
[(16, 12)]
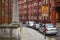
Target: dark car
[(37, 25)]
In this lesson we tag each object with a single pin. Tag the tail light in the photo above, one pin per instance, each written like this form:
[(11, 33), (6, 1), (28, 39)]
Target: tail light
[(46, 29)]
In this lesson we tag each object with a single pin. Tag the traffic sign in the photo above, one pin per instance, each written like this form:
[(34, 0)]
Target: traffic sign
[(44, 10), (45, 15)]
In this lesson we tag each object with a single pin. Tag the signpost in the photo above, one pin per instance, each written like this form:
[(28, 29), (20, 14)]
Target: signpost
[(44, 14), (44, 10)]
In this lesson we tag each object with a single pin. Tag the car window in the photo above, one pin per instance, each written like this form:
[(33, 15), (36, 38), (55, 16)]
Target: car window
[(49, 25), (38, 25)]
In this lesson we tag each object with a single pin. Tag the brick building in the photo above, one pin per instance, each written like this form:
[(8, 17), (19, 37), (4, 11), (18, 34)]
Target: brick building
[(55, 11), (5, 11), (30, 10), (57, 7)]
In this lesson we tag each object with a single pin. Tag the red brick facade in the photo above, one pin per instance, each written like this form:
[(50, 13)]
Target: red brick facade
[(5, 11), (28, 10)]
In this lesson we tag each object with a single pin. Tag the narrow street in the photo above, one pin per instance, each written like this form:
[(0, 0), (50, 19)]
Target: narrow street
[(58, 34), (26, 34), (34, 14), (31, 34)]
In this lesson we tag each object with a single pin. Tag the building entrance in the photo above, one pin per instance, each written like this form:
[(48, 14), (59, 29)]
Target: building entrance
[(58, 14)]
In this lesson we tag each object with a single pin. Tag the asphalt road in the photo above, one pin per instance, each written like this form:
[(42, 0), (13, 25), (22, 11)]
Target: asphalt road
[(51, 37), (58, 34), (57, 37), (31, 34)]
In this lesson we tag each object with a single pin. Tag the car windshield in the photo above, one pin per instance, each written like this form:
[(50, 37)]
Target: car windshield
[(49, 25), (38, 25)]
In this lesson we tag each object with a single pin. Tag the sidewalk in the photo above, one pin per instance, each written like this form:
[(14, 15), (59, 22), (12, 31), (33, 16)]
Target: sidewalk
[(30, 34), (58, 24)]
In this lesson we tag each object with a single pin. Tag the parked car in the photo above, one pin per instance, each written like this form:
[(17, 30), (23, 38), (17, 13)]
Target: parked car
[(30, 23), (49, 28), (37, 25), (27, 23)]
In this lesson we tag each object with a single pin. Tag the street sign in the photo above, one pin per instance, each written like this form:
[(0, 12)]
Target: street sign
[(44, 10), (45, 15)]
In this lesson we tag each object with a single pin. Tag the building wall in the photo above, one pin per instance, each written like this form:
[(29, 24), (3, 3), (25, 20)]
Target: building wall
[(5, 11), (53, 17), (57, 4), (0, 12), (30, 10)]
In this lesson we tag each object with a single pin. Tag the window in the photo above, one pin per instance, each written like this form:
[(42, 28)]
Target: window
[(35, 17), (46, 1), (28, 6), (32, 17), (29, 0), (39, 10), (20, 2), (25, 0), (49, 25), (40, 3), (25, 6), (2, 13), (43, 1), (35, 4)]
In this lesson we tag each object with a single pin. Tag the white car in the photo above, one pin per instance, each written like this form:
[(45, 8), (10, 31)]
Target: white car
[(48, 29), (30, 23)]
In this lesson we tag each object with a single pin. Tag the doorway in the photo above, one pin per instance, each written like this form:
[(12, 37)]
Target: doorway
[(58, 14)]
